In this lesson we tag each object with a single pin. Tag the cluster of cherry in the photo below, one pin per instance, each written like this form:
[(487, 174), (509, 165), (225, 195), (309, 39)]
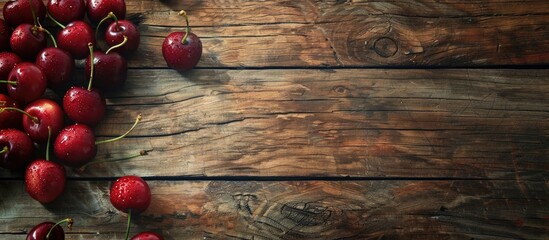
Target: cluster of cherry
[(29, 65)]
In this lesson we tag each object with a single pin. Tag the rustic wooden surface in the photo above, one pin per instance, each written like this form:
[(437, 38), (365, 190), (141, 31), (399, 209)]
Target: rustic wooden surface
[(325, 120)]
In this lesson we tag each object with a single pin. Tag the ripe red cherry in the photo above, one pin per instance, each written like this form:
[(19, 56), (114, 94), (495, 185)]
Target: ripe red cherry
[(8, 60), (118, 31), (26, 83), (27, 40), (182, 50), (130, 193), (83, 105), (147, 236), (66, 11), (9, 118), (75, 145), (110, 69), (74, 38), (57, 64), (5, 33), (16, 149), (98, 9), (41, 115), (45, 180), (17, 12), (54, 230)]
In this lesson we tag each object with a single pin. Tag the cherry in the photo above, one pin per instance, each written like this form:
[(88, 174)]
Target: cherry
[(130, 194), (8, 60), (98, 9), (8, 118), (57, 64), (27, 40), (66, 11), (16, 149), (49, 230), (17, 12), (182, 50), (74, 38), (117, 31), (26, 83), (147, 236), (75, 145), (5, 33), (39, 118), (44, 179), (110, 69)]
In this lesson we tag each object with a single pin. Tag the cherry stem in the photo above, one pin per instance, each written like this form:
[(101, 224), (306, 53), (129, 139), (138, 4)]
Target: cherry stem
[(92, 63), (110, 15), (69, 222), (48, 144), (141, 153), (137, 119), (40, 28), (118, 45), (9, 82), (129, 224), (33, 14), (4, 150), (55, 21), (184, 14), (33, 118)]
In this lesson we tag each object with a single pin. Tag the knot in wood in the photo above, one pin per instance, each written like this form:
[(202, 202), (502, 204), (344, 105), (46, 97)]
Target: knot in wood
[(385, 47)]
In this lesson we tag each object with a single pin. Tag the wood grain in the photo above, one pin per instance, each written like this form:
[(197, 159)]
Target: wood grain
[(297, 210), (360, 123)]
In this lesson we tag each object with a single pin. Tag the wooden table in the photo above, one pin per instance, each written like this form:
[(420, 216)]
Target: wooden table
[(325, 120)]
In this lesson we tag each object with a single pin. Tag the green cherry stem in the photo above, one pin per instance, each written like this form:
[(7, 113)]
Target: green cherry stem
[(110, 15), (48, 144), (117, 45), (141, 153), (69, 222), (184, 14), (92, 63), (9, 82), (128, 227), (137, 119), (33, 118), (55, 21), (4, 150)]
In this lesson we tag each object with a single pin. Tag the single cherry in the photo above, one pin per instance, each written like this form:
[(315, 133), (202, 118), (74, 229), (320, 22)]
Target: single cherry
[(85, 105), (26, 83), (110, 69), (75, 145), (74, 38), (116, 33), (9, 118), (132, 195), (27, 40), (147, 236), (39, 118), (16, 149), (98, 9), (8, 60), (17, 12), (49, 230), (182, 50), (57, 64), (5, 33), (44, 179), (66, 11)]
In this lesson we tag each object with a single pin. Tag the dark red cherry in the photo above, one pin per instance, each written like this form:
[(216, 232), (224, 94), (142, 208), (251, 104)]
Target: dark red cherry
[(66, 11), (147, 236), (75, 145), (110, 70), (55, 231), (17, 12), (26, 83), (41, 115), (45, 180), (27, 40), (117, 31), (74, 38), (57, 64), (182, 50), (9, 118), (16, 149), (8, 60), (84, 106), (130, 193), (98, 9)]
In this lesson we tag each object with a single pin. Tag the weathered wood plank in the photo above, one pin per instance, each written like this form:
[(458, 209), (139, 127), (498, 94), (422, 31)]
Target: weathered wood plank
[(363, 123), (337, 33), (298, 210)]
